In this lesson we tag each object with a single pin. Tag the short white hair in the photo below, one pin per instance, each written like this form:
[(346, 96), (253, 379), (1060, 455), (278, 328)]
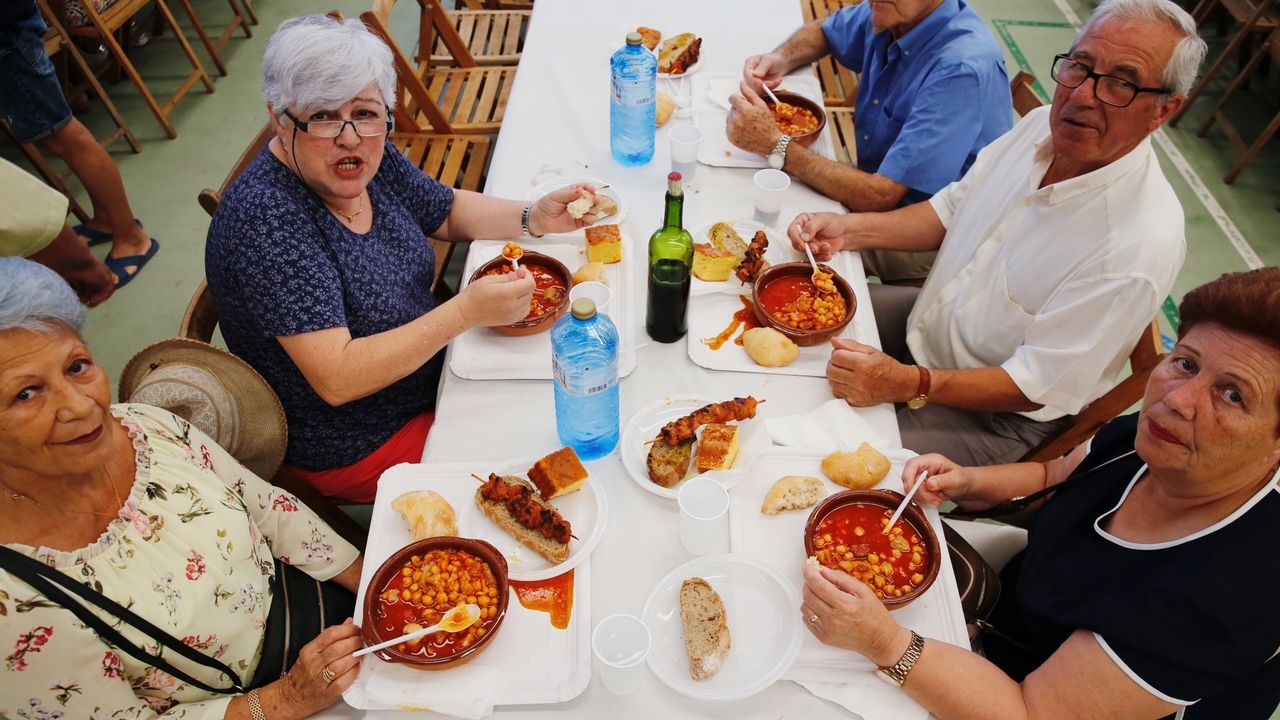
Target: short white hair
[(35, 298), (1184, 64), (315, 62)]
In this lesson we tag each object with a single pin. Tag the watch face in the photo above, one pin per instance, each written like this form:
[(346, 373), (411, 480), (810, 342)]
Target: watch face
[(917, 402), (775, 161)]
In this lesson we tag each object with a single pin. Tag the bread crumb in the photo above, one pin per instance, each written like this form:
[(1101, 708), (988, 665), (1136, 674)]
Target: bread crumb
[(812, 561)]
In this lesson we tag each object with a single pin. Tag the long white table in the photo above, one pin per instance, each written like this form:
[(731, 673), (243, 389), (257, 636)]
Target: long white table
[(558, 120)]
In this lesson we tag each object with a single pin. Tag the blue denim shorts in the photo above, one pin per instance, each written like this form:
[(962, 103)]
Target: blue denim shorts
[(31, 99)]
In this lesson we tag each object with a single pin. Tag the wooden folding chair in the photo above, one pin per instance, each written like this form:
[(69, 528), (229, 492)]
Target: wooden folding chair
[(499, 4), (1022, 88), (1252, 16), (1248, 151), (466, 38), (1145, 357), (239, 21), (839, 83), (466, 100), (104, 26)]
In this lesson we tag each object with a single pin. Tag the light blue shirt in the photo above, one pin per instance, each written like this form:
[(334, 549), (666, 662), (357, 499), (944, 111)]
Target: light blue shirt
[(928, 102)]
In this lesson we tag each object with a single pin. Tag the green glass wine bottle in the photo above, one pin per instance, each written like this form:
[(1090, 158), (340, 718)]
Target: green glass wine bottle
[(670, 263)]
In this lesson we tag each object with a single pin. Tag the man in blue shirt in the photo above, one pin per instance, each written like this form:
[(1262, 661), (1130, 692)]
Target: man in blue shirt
[(933, 92)]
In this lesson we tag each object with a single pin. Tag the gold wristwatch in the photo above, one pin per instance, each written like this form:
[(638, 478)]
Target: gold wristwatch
[(897, 674), (921, 398)]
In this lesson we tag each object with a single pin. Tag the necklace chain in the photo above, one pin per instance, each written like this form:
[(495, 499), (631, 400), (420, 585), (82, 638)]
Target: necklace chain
[(110, 483), (349, 217)]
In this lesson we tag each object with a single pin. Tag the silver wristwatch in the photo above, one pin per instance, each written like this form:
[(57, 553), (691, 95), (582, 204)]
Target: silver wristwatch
[(778, 155), (897, 674)]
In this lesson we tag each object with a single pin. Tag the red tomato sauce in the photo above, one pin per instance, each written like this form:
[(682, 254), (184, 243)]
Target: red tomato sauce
[(744, 318), (794, 301), (850, 539), (553, 596), (425, 589)]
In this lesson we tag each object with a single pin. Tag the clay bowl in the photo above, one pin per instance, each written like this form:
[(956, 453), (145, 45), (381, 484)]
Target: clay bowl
[(888, 500), (798, 100), (531, 326), (370, 631), (798, 336)]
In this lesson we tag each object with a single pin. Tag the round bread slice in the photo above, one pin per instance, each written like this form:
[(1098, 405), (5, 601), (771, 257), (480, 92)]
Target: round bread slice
[(706, 629), (532, 539), (792, 492)]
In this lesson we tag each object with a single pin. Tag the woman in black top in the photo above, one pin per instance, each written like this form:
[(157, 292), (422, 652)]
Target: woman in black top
[(1148, 585)]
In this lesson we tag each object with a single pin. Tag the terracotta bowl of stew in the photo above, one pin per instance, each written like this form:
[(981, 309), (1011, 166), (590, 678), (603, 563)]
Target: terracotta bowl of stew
[(806, 139), (840, 516), (547, 271), (778, 283), (384, 619)]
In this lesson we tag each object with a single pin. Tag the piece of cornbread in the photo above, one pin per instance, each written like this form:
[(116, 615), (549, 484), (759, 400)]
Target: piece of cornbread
[(712, 264), (604, 244)]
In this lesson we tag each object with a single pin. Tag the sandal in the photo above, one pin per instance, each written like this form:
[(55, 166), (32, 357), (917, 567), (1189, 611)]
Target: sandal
[(119, 265), (96, 237)]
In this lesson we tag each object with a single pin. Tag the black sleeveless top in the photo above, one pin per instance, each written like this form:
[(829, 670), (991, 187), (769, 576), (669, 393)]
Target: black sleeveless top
[(1194, 621)]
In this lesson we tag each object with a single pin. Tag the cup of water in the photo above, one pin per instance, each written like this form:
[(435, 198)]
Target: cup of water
[(771, 186), (620, 644), (684, 150)]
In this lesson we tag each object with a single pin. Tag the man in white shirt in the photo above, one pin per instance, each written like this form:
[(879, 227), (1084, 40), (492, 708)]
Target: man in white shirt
[(1055, 251)]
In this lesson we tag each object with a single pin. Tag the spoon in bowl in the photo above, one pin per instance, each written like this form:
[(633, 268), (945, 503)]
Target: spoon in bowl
[(905, 501), (821, 279), (456, 620)]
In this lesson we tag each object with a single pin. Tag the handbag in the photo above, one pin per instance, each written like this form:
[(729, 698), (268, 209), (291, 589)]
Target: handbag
[(301, 607)]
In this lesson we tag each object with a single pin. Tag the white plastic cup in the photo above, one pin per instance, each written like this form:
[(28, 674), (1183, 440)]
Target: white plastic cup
[(684, 150), (704, 504), (597, 292), (620, 644), (771, 187)]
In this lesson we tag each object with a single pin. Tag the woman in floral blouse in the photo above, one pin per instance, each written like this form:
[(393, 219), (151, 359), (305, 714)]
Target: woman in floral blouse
[(141, 506)]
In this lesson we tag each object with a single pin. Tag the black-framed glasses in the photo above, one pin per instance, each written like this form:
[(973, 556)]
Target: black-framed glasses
[(333, 128), (1109, 89)]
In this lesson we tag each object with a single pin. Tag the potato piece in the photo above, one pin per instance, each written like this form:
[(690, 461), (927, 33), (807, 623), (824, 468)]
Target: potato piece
[(769, 348), (591, 272), (856, 470)]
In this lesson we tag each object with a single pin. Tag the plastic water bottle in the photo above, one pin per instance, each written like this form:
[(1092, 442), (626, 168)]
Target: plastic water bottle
[(584, 362), (633, 102)]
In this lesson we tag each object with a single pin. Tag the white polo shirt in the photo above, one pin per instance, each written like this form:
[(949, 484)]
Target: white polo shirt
[(1051, 284)]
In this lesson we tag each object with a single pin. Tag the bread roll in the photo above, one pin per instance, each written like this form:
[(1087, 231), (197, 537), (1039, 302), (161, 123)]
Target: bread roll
[(857, 470), (769, 348), (793, 492), (664, 106), (427, 514), (591, 272)]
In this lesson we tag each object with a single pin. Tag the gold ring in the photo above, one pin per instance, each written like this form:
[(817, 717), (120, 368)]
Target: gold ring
[(328, 675), (813, 619)]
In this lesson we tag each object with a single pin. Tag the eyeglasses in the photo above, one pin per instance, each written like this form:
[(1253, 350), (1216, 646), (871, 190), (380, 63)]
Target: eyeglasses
[(1109, 89), (372, 127)]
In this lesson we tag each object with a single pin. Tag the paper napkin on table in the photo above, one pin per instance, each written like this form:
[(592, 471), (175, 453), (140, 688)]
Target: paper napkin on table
[(834, 425), (467, 694)]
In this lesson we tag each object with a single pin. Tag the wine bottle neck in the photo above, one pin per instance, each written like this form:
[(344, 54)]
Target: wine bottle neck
[(675, 211)]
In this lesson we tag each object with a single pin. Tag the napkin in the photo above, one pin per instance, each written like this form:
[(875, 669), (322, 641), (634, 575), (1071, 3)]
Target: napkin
[(465, 692)]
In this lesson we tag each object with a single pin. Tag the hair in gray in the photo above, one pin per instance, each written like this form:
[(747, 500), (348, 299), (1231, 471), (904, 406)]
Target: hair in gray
[(315, 62), (1184, 64), (35, 298)]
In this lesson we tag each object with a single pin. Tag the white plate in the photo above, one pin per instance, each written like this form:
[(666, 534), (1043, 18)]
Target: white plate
[(644, 426), (587, 510), (762, 611), (482, 354), (610, 192), (779, 251)]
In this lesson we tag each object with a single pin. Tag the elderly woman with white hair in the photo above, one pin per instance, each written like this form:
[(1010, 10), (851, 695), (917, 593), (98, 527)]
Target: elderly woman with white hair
[(320, 267), (144, 572)]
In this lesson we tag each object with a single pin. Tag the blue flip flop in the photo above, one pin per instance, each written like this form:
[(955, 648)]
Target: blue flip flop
[(96, 237), (119, 265)]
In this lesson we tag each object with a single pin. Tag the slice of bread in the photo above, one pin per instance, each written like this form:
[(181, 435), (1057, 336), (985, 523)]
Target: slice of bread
[(532, 539), (793, 492), (712, 264), (723, 236), (604, 244), (668, 463), (604, 206), (679, 53), (559, 473), (718, 447), (706, 628)]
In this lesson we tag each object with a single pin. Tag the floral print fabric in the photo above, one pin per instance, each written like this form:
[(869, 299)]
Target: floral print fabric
[(191, 551)]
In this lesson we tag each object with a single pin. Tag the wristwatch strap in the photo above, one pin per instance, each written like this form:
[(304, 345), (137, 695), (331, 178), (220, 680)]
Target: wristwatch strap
[(780, 149), (897, 674), (921, 398), (255, 705), (524, 219)]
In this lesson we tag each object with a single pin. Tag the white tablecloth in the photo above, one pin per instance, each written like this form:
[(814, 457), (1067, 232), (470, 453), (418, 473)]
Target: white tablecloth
[(557, 120)]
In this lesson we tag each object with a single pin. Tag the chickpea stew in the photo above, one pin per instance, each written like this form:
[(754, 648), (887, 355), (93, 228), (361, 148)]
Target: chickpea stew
[(424, 589), (850, 538), (794, 301)]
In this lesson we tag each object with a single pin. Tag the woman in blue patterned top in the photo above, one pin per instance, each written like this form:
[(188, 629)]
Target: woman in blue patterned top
[(320, 266)]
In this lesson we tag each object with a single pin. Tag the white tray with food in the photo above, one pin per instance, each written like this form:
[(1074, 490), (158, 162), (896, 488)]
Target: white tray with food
[(711, 258), (777, 540), (711, 111), (718, 318), (528, 661), (608, 204), (483, 354), (723, 627), (660, 471)]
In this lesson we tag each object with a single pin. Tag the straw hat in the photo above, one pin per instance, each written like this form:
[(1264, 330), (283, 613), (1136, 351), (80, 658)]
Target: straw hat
[(217, 392)]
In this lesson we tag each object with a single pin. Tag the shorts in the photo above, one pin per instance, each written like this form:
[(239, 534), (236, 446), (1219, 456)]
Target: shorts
[(31, 98)]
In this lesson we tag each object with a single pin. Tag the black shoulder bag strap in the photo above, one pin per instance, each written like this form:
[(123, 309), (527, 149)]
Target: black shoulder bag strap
[(58, 587)]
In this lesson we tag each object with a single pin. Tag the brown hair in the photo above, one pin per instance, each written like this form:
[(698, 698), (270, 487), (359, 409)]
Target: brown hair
[(1244, 302)]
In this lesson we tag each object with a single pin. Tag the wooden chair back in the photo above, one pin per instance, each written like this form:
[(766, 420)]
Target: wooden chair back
[(1146, 355), (413, 101), (1025, 98)]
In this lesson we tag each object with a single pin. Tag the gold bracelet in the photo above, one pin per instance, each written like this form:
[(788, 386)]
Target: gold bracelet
[(255, 705)]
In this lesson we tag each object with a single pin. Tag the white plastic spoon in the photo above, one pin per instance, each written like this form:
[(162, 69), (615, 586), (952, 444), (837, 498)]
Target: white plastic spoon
[(905, 501), (769, 92), (456, 620), (814, 263)]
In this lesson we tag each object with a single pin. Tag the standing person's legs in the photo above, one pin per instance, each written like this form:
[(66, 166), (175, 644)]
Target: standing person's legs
[(971, 437), (891, 305)]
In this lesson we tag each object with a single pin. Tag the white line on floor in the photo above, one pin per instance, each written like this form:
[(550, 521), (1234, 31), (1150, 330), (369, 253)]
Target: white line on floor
[(1219, 215)]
